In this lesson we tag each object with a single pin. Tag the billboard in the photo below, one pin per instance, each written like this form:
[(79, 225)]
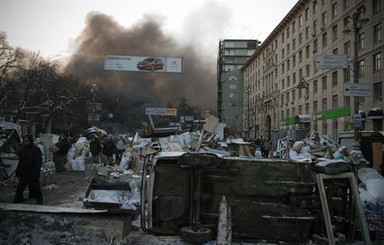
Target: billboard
[(160, 111), (143, 63)]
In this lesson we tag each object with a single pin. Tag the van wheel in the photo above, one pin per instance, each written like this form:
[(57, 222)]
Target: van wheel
[(196, 235)]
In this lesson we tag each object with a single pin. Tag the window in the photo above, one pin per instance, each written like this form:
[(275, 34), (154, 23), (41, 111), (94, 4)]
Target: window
[(325, 39), (361, 41), (307, 51), (308, 70), (335, 101), (307, 33), (377, 91), (377, 62), (306, 108), (288, 49), (377, 33), (324, 83), (288, 82), (293, 95), (334, 78), (314, 27), (334, 10), (300, 38), (293, 27), (324, 19), (334, 33), (324, 104), (288, 65), (347, 75), (288, 32), (300, 56), (324, 126), (282, 37), (377, 6), (282, 53), (314, 6), (346, 4), (307, 14), (361, 68), (315, 87), (347, 101), (335, 125), (335, 51), (293, 44), (293, 78), (300, 109), (300, 21), (293, 60), (282, 68), (315, 108), (315, 44), (347, 48)]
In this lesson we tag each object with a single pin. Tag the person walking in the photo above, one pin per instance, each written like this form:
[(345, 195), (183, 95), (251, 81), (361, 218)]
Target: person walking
[(28, 170), (267, 148), (60, 151), (120, 148), (95, 148), (109, 149)]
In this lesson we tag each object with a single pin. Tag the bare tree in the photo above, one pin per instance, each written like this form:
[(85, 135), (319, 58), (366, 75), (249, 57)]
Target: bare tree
[(9, 62)]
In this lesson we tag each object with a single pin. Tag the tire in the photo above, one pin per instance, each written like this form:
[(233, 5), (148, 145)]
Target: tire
[(196, 235)]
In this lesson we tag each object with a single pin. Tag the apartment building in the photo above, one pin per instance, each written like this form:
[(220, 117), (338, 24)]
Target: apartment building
[(287, 84), (233, 53)]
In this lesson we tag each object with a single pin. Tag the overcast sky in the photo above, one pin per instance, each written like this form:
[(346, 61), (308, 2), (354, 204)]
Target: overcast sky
[(52, 26)]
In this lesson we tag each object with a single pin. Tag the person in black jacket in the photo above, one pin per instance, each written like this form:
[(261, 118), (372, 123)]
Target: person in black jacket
[(60, 156), (109, 150), (95, 148), (28, 170)]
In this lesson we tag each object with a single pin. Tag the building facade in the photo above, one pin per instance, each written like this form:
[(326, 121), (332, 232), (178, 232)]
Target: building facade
[(233, 53), (288, 80)]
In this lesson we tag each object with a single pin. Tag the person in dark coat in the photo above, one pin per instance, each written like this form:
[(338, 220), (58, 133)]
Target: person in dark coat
[(28, 170), (95, 148), (109, 149), (60, 155)]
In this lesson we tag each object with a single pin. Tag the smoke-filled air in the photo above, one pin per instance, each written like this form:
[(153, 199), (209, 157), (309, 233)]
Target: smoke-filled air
[(104, 36)]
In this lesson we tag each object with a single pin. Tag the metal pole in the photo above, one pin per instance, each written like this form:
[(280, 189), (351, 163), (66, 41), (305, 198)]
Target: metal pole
[(355, 18), (94, 109)]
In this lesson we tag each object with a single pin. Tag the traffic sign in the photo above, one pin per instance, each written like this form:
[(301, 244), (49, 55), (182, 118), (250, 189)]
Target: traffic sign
[(332, 61), (357, 89), (357, 121)]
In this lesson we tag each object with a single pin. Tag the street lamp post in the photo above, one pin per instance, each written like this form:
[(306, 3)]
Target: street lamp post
[(357, 21), (93, 91), (248, 91)]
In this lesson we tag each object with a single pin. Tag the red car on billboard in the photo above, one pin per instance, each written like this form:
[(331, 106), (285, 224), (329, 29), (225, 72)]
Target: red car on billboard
[(151, 64)]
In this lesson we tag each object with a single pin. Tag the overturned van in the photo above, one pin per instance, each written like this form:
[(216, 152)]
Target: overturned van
[(269, 199)]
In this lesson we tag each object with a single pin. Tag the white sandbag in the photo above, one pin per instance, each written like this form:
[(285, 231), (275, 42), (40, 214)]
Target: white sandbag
[(366, 197), (292, 155), (368, 174), (305, 149), (376, 188), (125, 160), (78, 164)]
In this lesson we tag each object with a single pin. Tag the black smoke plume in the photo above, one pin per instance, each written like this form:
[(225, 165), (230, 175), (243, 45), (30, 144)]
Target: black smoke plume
[(126, 93)]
